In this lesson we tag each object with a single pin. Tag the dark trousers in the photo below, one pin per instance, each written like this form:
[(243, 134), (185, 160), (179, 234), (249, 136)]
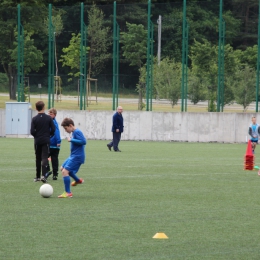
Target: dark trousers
[(41, 154), (116, 140), (54, 154)]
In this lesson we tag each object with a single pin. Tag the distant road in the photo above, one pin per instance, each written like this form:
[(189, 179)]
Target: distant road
[(235, 106)]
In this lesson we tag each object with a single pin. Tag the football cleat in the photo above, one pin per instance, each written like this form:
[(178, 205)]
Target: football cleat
[(65, 195), (43, 179), (75, 183)]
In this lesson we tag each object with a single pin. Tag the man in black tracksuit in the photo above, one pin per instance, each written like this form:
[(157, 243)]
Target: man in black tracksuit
[(42, 128)]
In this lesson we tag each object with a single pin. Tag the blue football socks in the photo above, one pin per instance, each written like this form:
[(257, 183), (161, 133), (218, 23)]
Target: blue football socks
[(74, 176), (66, 180)]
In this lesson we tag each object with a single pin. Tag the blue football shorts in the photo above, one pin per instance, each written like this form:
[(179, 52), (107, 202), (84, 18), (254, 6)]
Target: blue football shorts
[(71, 165)]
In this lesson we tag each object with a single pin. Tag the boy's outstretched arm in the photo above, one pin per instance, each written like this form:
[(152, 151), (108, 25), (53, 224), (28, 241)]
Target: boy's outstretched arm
[(79, 139)]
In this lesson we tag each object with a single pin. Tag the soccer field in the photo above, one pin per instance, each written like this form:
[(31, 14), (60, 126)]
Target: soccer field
[(197, 194)]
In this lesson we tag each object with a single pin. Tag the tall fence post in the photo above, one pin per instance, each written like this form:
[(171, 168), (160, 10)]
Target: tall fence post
[(184, 78), (116, 34), (149, 63), (117, 62), (20, 58), (258, 61), (151, 81), (221, 57), (51, 61), (83, 60)]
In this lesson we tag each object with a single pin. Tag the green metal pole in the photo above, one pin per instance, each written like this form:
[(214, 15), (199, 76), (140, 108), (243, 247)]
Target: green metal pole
[(49, 57), (186, 64), (83, 61), (117, 63), (20, 59), (148, 65), (81, 77), (258, 61), (85, 66), (19, 55), (151, 81), (219, 56), (52, 67), (114, 57), (51, 61), (223, 66), (22, 67), (183, 56)]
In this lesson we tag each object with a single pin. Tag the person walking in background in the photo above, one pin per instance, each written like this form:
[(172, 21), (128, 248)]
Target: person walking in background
[(77, 157), (117, 129), (54, 147), (254, 132), (42, 128)]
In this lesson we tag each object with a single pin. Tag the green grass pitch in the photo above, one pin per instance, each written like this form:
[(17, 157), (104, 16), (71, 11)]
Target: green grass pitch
[(197, 194)]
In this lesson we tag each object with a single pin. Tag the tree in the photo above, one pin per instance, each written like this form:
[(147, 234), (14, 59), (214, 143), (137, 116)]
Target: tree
[(58, 28), (134, 43), (244, 86), (247, 12), (98, 40), (197, 88), (248, 56), (71, 57), (204, 69), (8, 43), (134, 47), (3, 82), (202, 17), (204, 58), (32, 56), (166, 79)]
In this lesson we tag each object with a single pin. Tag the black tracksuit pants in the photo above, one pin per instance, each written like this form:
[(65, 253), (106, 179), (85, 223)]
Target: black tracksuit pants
[(54, 154), (42, 164)]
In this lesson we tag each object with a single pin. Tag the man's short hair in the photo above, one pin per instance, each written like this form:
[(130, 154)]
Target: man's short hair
[(39, 105), (67, 122)]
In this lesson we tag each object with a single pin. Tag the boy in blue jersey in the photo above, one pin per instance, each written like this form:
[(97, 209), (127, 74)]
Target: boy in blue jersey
[(254, 132), (54, 147), (77, 157)]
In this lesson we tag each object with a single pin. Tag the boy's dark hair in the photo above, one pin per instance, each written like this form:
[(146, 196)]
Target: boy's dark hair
[(67, 122), (39, 105)]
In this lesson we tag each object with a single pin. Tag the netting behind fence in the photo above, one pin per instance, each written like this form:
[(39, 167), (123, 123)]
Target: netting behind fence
[(202, 18)]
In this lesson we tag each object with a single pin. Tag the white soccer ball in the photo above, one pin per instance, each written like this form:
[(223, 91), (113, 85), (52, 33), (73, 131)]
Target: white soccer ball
[(46, 190)]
